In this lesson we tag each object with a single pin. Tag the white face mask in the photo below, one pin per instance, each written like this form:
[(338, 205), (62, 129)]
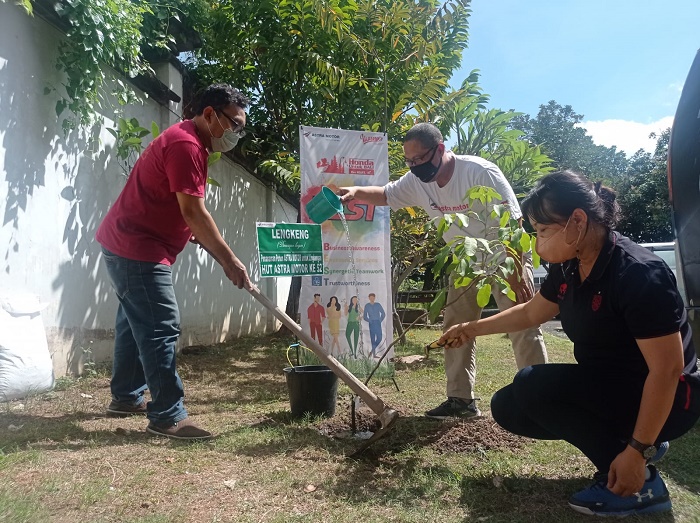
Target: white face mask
[(225, 142)]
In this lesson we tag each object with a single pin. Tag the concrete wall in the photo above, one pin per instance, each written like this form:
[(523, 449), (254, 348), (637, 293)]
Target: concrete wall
[(55, 190)]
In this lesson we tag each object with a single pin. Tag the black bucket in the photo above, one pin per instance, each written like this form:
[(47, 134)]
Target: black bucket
[(313, 389)]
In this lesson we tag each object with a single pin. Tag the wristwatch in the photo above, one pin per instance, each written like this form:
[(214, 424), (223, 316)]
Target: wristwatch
[(648, 451)]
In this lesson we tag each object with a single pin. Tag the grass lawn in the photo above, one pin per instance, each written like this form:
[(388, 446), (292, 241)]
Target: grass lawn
[(62, 461)]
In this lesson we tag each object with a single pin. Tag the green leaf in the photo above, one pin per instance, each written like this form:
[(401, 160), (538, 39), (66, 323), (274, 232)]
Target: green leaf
[(463, 281), (213, 158), (525, 242), (535, 257), (441, 259), (509, 265), (483, 295), (470, 246), (463, 220), (213, 182), (155, 131), (437, 305)]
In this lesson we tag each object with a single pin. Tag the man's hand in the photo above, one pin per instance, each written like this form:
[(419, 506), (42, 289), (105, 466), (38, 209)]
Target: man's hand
[(237, 273), (524, 289), (346, 193), (627, 472)]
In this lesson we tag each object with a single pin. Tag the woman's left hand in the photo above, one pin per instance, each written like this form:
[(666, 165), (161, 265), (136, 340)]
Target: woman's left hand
[(627, 472)]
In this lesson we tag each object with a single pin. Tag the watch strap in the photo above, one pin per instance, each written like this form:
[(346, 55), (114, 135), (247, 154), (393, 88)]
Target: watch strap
[(643, 448)]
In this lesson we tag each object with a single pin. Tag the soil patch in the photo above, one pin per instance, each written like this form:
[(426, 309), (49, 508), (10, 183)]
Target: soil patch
[(476, 435)]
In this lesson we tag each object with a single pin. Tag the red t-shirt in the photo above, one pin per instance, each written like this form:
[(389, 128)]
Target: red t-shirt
[(145, 222), (316, 312)]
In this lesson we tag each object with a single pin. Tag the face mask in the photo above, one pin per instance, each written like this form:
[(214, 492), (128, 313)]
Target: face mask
[(577, 240), (426, 172), (225, 142), (563, 231)]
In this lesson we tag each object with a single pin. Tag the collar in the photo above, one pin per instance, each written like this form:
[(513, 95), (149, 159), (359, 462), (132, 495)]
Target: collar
[(604, 257), (570, 268)]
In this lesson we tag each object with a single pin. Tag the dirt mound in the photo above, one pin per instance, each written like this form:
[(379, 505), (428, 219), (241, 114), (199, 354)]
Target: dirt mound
[(476, 435)]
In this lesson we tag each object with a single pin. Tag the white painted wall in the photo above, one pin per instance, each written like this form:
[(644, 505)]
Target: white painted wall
[(55, 190)]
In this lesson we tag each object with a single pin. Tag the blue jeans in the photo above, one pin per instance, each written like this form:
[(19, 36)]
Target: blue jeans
[(146, 332)]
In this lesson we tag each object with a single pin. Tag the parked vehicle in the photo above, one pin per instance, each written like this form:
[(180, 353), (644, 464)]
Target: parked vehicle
[(667, 251)]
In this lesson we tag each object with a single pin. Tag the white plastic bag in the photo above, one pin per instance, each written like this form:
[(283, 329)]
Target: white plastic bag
[(25, 363)]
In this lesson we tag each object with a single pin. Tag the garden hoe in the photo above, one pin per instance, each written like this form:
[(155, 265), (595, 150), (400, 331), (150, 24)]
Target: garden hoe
[(387, 416)]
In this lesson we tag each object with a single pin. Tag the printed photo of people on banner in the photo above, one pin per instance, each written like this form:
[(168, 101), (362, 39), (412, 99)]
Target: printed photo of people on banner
[(347, 310)]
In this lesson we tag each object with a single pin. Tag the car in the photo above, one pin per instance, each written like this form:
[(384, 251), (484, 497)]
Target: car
[(667, 251), (539, 274)]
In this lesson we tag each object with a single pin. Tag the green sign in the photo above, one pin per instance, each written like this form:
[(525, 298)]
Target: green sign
[(289, 249)]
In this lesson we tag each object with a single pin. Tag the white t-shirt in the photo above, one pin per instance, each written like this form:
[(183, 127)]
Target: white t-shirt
[(470, 171)]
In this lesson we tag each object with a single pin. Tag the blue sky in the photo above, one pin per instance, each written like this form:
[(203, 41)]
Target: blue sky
[(620, 63)]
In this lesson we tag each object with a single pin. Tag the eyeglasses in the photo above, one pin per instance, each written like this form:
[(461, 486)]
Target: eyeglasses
[(236, 127), (420, 159)]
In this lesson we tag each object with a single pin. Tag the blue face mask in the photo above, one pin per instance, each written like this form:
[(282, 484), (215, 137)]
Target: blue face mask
[(426, 172)]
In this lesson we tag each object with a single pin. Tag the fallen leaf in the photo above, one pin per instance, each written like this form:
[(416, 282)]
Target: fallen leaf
[(230, 483), (310, 488), (83, 395)]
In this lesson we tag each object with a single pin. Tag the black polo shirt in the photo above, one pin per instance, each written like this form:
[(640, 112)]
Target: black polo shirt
[(630, 294)]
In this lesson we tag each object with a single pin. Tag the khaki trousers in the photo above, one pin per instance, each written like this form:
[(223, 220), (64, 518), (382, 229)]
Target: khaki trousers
[(460, 363)]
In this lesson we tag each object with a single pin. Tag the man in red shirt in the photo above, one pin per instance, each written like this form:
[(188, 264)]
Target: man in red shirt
[(317, 314), (159, 210)]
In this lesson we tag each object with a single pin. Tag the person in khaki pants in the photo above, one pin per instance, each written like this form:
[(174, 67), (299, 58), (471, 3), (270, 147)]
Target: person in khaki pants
[(460, 363), (438, 182)]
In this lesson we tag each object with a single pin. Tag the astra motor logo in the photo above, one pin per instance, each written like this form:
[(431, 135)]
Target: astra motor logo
[(371, 139), (329, 136)]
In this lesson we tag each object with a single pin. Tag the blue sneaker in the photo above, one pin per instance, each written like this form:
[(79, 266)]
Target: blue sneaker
[(660, 452), (598, 500)]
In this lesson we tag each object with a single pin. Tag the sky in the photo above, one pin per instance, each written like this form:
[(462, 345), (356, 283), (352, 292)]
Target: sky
[(619, 63)]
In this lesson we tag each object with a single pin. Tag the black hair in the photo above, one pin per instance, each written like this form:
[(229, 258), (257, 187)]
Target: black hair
[(317, 295), (427, 134), (220, 96), (337, 305), (557, 195), (357, 304)]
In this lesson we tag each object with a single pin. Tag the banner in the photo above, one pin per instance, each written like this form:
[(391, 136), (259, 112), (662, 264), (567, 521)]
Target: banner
[(348, 308), (289, 249)]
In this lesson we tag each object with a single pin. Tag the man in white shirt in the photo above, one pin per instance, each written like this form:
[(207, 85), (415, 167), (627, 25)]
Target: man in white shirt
[(438, 182)]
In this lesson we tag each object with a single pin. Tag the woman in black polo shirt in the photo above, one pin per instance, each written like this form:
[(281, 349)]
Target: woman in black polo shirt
[(636, 384)]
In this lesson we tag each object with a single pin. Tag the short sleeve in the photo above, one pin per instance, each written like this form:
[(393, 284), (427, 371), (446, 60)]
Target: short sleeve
[(185, 167), (550, 288), (649, 300), (495, 178), (402, 192)]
